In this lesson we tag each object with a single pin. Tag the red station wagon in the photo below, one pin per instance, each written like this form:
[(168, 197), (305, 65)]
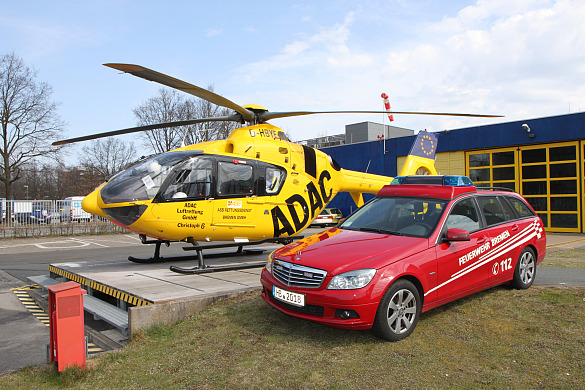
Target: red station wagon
[(421, 242)]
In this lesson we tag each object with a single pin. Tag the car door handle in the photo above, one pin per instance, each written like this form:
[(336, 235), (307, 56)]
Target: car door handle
[(515, 228), (481, 240)]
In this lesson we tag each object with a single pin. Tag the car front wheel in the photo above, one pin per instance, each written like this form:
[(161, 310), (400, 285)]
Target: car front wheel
[(525, 270), (398, 311)]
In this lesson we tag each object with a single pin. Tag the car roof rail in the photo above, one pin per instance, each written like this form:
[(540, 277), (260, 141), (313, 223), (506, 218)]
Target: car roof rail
[(506, 189)]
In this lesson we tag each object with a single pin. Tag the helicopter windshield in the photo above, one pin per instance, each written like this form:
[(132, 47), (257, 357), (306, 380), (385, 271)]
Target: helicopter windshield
[(143, 180), (191, 180)]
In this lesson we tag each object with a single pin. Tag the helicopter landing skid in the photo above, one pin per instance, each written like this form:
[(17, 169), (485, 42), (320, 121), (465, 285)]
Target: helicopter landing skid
[(202, 268), (157, 257)]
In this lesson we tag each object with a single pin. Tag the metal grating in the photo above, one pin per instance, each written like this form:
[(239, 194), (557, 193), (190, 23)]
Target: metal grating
[(297, 275)]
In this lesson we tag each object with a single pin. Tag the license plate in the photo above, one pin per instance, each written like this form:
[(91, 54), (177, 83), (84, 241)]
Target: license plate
[(288, 296)]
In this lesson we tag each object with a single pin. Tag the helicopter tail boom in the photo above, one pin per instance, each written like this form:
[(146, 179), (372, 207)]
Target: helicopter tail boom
[(357, 183)]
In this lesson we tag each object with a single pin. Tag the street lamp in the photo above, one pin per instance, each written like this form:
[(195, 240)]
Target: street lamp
[(26, 188)]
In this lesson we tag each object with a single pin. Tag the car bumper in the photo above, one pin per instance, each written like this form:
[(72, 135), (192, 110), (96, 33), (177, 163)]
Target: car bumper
[(323, 222), (326, 306)]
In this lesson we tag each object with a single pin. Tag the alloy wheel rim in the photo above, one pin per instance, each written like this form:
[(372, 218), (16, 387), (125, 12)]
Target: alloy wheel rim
[(401, 311), (526, 268)]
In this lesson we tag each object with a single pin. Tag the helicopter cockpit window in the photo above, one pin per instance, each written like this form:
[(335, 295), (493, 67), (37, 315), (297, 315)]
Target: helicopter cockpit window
[(235, 178), (274, 180), (191, 180), (143, 180)]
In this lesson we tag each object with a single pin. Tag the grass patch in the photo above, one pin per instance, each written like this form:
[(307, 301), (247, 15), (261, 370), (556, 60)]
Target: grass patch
[(500, 338), (570, 258)]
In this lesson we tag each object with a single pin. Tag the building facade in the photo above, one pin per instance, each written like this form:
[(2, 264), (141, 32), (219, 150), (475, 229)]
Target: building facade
[(358, 132), (543, 159)]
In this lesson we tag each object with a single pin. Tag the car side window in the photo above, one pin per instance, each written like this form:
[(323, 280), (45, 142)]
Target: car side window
[(492, 210), (521, 208), (464, 216)]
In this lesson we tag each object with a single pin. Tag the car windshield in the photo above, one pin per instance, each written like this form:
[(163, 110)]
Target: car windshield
[(416, 217)]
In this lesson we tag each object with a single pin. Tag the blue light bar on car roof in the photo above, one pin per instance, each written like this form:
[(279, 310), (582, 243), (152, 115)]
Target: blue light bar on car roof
[(447, 180), (458, 181)]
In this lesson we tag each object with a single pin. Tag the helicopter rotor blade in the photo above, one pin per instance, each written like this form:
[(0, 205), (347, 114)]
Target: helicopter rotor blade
[(274, 115), (151, 75), (230, 118)]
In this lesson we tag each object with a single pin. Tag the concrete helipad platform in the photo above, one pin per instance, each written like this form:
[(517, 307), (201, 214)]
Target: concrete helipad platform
[(152, 293)]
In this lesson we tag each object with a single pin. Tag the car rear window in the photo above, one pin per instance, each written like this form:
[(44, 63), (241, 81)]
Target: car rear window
[(521, 208), (508, 210)]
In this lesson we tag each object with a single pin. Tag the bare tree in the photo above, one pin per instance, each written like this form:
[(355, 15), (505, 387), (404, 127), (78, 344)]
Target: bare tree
[(209, 131), (28, 119), (170, 105), (108, 157)]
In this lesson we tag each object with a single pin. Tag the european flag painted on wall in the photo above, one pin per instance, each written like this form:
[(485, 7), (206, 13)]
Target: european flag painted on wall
[(425, 145)]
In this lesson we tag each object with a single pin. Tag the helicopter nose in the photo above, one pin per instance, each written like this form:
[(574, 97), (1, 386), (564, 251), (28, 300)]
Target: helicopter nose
[(90, 204)]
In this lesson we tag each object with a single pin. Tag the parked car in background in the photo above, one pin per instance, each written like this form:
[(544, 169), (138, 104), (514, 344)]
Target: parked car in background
[(38, 214), (336, 215), (328, 217), (73, 212)]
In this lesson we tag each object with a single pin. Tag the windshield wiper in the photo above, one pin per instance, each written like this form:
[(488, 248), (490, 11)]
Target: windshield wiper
[(381, 231)]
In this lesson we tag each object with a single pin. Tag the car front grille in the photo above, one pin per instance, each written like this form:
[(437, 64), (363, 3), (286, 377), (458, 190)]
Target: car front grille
[(297, 275)]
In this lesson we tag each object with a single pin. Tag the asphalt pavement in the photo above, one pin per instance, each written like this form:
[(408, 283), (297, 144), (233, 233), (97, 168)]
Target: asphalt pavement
[(25, 338)]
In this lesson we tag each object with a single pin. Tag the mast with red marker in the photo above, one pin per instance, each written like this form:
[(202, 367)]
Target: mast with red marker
[(387, 106)]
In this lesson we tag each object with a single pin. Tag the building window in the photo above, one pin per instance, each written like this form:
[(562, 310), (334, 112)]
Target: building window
[(548, 176), (493, 168), (550, 183)]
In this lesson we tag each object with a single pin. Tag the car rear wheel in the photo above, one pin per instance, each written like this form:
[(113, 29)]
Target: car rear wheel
[(525, 271), (398, 311)]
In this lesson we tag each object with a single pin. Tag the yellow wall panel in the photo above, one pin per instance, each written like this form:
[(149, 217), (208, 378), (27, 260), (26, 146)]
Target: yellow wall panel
[(447, 163), (400, 163), (450, 163)]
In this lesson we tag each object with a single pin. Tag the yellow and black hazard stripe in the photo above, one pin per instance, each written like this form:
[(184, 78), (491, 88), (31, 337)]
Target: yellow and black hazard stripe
[(93, 349), (128, 298), (30, 304), (24, 298)]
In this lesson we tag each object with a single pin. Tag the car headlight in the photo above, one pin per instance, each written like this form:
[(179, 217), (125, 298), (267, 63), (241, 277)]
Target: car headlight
[(352, 280), (269, 263)]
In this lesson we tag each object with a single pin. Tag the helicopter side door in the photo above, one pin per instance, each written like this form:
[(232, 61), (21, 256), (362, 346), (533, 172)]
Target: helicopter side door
[(184, 201), (232, 209)]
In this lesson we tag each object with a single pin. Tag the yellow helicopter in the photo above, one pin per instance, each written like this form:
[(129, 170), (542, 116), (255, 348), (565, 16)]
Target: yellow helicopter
[(253, 187)]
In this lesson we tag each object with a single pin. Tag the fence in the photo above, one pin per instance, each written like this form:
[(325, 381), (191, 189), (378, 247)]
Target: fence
[(32, 218)]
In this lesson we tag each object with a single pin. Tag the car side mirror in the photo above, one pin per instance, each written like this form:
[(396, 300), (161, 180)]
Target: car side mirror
[(457, 235)]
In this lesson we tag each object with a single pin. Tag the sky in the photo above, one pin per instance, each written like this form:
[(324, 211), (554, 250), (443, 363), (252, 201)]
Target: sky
[(518, 58)]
